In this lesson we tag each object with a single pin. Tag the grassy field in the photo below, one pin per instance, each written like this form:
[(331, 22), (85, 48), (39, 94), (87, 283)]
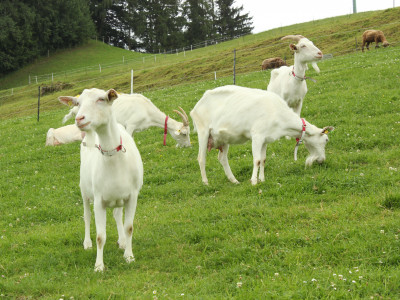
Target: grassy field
[(79, 67), (330, 231)]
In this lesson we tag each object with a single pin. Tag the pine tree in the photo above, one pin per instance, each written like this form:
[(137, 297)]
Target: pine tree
[(30, 28), (230, 22), (199, 16)]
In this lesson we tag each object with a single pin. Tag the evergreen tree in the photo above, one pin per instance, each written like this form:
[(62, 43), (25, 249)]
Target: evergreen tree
[(199, 20), (30, 28), (230, 22), (164, 23)]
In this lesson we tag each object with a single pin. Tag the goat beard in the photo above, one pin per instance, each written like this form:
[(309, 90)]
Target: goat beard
[(315, 67)]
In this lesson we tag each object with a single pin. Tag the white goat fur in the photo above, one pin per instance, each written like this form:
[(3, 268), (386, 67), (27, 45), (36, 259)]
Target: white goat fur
[(293, 88), (137, 113), (232, 115), (63, 135), (108, 181)]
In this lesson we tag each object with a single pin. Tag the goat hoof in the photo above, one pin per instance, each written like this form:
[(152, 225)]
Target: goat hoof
[(129, 258), (99, 267), (87, 244), (234, 180), (254, 182)]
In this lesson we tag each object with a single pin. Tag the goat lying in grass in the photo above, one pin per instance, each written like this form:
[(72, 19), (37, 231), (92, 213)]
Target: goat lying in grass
[(111, 173), (137, 113), (64, 135)]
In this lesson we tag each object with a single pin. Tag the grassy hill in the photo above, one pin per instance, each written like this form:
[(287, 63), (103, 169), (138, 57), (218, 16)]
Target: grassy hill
[(80, 67), (329, 231)]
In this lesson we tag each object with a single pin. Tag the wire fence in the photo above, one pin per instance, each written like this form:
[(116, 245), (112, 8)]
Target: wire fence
[(139, 63), (218, 73)]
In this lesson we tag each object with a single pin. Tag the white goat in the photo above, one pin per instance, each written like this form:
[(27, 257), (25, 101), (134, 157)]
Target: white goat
[(289, 82), (137, 113), (233, 115), (63, 135), (111, 171)]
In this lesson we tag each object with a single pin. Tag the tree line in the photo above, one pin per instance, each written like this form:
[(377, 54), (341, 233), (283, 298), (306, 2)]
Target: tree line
[(31, 28)]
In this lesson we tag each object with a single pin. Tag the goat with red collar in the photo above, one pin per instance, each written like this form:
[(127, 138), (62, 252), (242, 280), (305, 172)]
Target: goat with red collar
[(289, 82), (111, 173), (233, 115)]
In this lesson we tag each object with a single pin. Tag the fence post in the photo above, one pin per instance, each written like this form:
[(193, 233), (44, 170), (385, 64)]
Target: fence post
[(132, 81), (234, 66), (52, 77), (215, 75), (123, 59), (36, 79), (29, 79), (100, 68), (38, 104)]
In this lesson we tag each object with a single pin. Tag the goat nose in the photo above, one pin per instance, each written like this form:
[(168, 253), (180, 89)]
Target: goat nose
[(319, 53)]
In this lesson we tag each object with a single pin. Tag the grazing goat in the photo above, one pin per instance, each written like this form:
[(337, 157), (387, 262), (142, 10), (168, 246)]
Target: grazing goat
[(371, 36), (137, 113), (233, 115), (64, 135), (290, 82), (111, 173), (273, 63)]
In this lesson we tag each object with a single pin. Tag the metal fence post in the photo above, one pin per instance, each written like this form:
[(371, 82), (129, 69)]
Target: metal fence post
[(132, 81), (234, 66), (38, 104)]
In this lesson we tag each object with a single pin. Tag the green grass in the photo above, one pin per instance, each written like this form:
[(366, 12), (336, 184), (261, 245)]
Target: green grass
[(330, 231)]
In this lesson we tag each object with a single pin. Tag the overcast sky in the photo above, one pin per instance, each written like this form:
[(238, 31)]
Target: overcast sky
[(276, 13)]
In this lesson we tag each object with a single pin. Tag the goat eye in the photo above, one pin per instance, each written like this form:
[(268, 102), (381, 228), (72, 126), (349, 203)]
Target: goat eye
[(303, 46)]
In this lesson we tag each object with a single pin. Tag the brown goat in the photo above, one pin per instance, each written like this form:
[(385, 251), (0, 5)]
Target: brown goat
[(370, 36), (272, 63)]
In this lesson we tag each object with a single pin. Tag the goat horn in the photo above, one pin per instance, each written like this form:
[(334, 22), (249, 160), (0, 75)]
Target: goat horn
[(293, 37), (184, 118), (184, 113)]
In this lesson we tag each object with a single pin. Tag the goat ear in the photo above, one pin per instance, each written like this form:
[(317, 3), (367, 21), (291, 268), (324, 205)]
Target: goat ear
[(68, 100), (327, 129), (112, 95), (293, 47)]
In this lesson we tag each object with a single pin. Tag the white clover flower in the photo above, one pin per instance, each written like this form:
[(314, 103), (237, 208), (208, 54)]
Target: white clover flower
[(382, 231), (239, 284)]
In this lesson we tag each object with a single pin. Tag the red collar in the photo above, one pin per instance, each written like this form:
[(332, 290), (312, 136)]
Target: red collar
[(302, 78), (165, 131), (113, 151), (300, 139)]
